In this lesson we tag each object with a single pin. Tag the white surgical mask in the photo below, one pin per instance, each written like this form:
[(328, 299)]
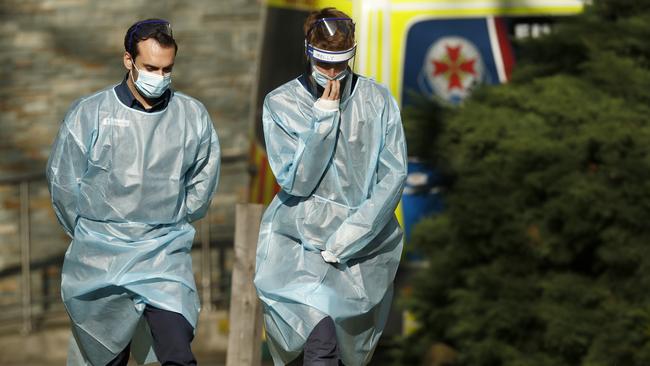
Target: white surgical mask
[(151, 85), (322, 79)]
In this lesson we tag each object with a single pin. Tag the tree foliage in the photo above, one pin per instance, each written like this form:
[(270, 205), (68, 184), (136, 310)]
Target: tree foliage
[(542, 256)]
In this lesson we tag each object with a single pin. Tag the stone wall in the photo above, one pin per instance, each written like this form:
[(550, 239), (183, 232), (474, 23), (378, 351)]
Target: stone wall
[(55, 51)]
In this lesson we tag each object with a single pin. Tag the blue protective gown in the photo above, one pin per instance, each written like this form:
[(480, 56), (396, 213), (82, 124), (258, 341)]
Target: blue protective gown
[(341, 174), (125, 184)]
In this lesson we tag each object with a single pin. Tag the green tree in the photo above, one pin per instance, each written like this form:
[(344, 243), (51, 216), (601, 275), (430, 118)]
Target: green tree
[(542, 256)]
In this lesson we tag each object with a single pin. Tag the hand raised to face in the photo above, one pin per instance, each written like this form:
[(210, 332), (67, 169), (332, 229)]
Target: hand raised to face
[(332, 90)]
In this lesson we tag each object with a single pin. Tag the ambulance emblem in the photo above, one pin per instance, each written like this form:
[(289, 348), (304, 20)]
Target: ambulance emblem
[(453, 66)]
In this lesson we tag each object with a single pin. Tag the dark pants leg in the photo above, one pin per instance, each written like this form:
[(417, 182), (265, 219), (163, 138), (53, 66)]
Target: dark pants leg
[(321, 348), (123, 358), (172, 337)]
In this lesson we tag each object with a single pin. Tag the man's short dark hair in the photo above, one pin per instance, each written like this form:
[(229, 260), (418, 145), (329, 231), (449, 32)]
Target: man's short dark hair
[(158, 29)]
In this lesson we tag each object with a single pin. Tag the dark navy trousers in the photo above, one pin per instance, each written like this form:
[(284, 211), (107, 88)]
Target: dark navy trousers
[(321, 347), (172, 335)]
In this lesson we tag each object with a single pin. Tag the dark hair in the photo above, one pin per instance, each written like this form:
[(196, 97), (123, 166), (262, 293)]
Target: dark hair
[(316, 37), (158, 29)]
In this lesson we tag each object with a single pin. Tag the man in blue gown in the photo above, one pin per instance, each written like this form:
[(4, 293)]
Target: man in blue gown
[(131, 167)]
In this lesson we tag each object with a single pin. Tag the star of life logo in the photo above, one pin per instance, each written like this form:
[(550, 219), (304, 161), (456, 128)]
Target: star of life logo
[(452, 67)]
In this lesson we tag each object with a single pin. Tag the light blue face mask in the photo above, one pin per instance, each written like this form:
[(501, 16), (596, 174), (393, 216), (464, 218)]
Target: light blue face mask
[(151, 85), (322, 79)]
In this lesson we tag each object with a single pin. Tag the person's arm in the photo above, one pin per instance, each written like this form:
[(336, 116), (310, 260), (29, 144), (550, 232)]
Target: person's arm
[(299, 151), (203, 176), (66, 166), (360, 228)]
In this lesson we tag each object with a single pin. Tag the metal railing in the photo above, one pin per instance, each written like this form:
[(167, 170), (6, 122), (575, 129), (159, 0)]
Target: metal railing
[(208, 245), (23, 181)]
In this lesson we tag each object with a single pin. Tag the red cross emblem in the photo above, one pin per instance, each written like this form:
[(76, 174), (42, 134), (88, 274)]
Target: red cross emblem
[(454, 66)]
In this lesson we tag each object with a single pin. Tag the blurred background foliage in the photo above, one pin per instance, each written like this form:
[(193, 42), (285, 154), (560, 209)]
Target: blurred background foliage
[(541, 256)]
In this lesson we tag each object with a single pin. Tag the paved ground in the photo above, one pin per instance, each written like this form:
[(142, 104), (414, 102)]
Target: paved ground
[(204, 360)]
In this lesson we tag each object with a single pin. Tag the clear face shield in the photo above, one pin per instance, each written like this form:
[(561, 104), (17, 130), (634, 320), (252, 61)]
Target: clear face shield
[(330, 28)]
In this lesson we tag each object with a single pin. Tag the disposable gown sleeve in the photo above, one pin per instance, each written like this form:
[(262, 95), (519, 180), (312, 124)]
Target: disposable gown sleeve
[(203, 176), (360, 228), (299, 150), (67, 164)]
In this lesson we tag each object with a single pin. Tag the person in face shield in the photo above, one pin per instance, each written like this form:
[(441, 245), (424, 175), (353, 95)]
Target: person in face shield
[(329, 243), (131, 167)]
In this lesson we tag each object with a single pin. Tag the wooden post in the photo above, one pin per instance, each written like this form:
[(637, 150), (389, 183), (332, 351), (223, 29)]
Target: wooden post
[(206, 264), (245, 338)]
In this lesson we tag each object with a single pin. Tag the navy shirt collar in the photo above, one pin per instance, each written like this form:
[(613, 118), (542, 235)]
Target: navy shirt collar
[(126, 97)]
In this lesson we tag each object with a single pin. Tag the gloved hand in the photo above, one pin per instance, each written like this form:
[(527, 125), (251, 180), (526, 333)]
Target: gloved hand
[(331, 97), (329, 257)]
